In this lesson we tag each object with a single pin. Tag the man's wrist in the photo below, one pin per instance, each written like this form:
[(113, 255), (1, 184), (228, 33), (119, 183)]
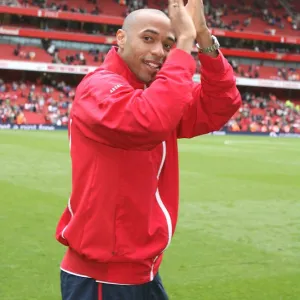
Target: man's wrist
[(185, 44), (202, 30), (204, 40)]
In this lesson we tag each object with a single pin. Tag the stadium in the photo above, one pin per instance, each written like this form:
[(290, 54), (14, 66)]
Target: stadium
[(238, 230)]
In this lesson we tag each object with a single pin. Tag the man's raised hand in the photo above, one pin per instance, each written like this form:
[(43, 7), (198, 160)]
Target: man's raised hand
[(182, 25)]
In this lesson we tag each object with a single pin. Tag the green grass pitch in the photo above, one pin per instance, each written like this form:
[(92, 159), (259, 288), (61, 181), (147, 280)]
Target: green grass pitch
[(238, 235)]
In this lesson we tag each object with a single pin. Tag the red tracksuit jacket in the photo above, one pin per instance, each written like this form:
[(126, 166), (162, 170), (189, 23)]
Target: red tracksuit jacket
[(123, 208)]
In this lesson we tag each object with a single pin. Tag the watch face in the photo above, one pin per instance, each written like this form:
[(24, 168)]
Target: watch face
[(216, 40)]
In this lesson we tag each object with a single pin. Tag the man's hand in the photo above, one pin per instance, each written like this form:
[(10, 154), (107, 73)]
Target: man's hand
[(182, 25), (195, 9)]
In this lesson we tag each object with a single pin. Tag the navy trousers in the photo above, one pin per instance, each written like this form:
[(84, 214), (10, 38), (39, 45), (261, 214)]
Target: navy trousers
[(81, 288)]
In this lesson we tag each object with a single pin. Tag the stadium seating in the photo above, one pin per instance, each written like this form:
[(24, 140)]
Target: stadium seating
[(266, 114), (295, 6), (50, 104), (40, 104), (259, 113), (267, 73), (109, 7), (7, 52), (239, 11), (40, 55)]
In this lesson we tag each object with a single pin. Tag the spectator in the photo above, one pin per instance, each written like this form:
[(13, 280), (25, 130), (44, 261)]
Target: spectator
[(266, 114), (55, 109)]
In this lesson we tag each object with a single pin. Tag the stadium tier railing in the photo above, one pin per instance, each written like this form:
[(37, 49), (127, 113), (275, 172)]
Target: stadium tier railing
[(70, 69)]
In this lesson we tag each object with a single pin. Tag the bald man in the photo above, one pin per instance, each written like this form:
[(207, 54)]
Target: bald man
[(125, 121)]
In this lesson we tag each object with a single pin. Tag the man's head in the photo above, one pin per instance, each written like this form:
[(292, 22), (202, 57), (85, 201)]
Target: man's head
[(145, 41)]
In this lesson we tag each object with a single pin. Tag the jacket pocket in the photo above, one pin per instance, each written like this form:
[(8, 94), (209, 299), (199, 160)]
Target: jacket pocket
[(140, 231)]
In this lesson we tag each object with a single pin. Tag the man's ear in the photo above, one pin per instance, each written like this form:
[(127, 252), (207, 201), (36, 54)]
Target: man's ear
[(121, 38)]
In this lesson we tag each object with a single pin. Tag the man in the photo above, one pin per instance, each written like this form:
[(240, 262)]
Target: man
[(123, 131)]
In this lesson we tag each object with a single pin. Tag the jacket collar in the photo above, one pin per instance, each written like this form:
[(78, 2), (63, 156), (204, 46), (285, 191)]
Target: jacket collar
[(114, 63)]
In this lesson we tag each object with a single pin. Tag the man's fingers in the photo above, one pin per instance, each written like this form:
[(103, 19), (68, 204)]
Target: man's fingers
[(173, 8), (180, 3), (175, 4), (171, 2)]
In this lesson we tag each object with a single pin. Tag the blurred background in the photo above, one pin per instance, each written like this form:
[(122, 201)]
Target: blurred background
[(47, 46)]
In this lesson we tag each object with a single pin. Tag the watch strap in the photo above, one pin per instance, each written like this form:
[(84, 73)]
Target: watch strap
[(211, 48)]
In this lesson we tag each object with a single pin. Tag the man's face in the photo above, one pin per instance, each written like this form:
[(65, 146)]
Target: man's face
[(145, 45)]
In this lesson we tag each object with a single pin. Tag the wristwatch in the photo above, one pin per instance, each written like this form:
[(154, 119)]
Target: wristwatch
[(214, 47)]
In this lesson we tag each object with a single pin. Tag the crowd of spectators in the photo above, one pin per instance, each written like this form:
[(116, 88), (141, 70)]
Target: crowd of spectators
[(289, 74), (253, 71), (272, 14), (11, 114), (259, 46), (73, 57), (261, 9), (61, 6), (52, 101), (266, 113), (131, 5), (26, 55), (79, 58), (259, 113)]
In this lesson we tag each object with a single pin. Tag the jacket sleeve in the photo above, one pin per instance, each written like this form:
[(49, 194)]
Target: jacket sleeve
[(131, 118), (215, 99)]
